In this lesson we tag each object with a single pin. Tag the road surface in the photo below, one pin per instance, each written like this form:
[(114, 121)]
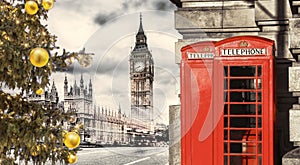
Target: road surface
[(124, 156), (120, 156)]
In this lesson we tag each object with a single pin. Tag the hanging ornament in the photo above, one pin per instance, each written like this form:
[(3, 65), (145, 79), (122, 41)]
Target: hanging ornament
[(72, 119), (31, 7), (85, 60), (72, 158), (35, 151), (39, 57), (72, 140), (48, 4), (39, 91)]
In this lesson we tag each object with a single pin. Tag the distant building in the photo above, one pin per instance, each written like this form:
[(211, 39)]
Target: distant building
[(79, 99), (101, 124), (109, 126), (141, 67)]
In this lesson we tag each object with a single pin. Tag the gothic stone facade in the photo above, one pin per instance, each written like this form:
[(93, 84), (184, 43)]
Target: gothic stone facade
[(102, 125), (80, 100)]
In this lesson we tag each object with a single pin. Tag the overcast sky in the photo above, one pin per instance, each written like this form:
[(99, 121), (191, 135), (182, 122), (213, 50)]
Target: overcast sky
[(108, 30)]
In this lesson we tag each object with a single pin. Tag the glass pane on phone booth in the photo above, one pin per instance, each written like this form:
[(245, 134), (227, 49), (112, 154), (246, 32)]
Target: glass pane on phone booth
[(242, 114)]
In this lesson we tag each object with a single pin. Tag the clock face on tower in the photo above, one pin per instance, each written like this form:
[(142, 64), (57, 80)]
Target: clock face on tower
[(139, 66)]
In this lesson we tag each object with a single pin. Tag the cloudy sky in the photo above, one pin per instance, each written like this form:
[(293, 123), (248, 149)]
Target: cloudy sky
[(108, 30)]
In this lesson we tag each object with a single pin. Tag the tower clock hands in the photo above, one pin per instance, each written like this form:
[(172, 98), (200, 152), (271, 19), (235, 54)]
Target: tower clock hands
[(139, 66)]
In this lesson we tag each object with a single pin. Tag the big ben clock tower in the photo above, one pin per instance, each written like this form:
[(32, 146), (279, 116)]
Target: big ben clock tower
[(141, 78)]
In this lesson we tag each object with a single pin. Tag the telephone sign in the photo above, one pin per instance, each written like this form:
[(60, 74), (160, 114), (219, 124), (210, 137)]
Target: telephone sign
[(243, 51)]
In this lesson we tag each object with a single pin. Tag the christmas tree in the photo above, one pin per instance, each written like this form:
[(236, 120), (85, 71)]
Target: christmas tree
[(30, 131)]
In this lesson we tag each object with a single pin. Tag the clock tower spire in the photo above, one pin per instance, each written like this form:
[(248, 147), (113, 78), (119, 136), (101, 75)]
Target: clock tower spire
[(141, 78), (141, 39)]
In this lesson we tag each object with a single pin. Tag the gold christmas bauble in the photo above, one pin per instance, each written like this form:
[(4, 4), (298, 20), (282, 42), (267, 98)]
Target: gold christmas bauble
[(72, 158), (31, 7), (39, 91), (35, 151), (48, 4), (39, 57), (72, 140)]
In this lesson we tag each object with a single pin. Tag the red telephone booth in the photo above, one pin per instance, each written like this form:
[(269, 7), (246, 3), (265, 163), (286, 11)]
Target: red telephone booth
[(237, 127), (196, 84)]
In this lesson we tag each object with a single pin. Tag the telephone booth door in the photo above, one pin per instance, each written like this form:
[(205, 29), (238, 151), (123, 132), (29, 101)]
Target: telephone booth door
[(244, 69), (196, 68)]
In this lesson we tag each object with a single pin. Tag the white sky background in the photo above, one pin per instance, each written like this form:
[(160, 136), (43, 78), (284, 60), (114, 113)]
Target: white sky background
[(108, 29)]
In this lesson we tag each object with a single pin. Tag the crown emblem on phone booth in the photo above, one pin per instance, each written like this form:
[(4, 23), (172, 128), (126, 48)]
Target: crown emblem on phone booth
[(206, 49), (244, 44)]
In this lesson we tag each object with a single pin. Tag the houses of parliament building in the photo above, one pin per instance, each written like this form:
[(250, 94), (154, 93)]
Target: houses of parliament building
[(102, 124)]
